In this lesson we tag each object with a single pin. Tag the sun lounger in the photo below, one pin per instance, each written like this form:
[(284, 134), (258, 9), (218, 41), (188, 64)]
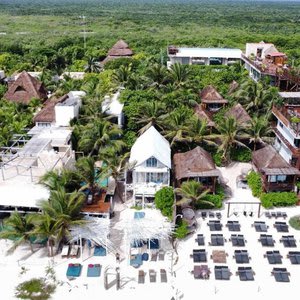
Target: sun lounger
[(204, 214), (294, 257), (200, 240), (281, 274), (65, 251), (222, 273), (141, 277), (94, 270), (245, 273), (152, 275), (136, 260), (74, 270), (273, 257), (74, 251), (268, 214), (154, 256), (163, 275)]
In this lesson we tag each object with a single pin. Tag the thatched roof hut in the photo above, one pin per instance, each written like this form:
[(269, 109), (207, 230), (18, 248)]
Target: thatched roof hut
[(24, 88), (210, 95), (203, 115), (239, 113), (119, 49)]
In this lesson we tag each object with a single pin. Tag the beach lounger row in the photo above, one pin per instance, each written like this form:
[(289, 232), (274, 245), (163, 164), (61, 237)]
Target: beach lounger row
[(152, 276), (70, 251), (276, 215)]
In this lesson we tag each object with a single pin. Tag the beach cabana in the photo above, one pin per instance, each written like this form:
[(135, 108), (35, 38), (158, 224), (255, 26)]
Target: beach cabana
[(211, 100)]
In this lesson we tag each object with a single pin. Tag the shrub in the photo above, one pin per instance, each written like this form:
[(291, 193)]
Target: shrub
[(182, 230), (254, 182), (295, 222), (240, 154), (216, 199), (164, 201), (278, 199), (217, 157)]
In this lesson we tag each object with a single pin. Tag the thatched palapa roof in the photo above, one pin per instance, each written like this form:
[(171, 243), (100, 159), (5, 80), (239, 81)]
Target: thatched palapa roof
[(24, 88), (203, 115), (47, 113), (239, 113), (210, 95), (118, 50), (194, 163), (268, 161)]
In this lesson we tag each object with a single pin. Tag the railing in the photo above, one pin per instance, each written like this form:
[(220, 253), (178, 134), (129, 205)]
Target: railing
[(278, 186)]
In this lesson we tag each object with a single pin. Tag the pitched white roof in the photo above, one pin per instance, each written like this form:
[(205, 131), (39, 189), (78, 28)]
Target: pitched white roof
[(209, 52), (112, 106), (151, 143)]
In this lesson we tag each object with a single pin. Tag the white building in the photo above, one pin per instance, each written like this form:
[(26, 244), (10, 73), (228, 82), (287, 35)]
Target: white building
[(112, 107), (151, 157), (2, 74), (72, 75), (203, 56)]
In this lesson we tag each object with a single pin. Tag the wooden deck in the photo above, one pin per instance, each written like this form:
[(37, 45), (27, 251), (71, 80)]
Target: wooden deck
[(98, 205)]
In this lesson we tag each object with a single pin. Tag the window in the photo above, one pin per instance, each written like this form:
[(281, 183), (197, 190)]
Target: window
[(277, 178), (155, 177), (151, 162), (297, 143), (280, 124)]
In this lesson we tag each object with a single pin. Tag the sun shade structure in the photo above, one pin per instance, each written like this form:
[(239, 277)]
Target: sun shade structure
[(204, 115), (24, 88), (119, 49), (239, 113), (210, 95)]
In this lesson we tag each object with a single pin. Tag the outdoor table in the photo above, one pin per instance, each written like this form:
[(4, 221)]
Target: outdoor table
[(281, 227), (237, 240), (233, 226), (266, 240), (241, 256), (222, 273), (245, 273), (200, 239), (294, 257), (199, 255), (288, 241), (217, 240), (274, 257), (201, 272), (219, 256), (281, 274), (260, 226)]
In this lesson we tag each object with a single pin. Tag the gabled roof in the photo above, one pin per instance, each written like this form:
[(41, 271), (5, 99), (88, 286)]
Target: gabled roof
[(194, 163), (267, 160), (112, 105), (210, 95), (24, 88), (239, 113), (120, 48), (47, 113), (203, 115), (151, 143)]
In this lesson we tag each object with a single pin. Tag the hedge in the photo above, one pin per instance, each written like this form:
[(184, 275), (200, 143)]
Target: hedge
[(164, 201), (278, 199), (255, 184)]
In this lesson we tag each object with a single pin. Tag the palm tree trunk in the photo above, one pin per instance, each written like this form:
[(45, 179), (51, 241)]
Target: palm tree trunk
[(31, 248)]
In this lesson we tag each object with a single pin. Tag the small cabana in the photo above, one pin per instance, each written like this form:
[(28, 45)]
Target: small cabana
[(277, 175), (198, 165), (239, 113), (204, 116), (211, 100)]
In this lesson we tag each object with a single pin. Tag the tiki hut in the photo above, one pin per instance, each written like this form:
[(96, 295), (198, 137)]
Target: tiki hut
[(196, 164), (119, 49), (239, 113), (204, 115), (211, 100), (24, 88), (277, 175)]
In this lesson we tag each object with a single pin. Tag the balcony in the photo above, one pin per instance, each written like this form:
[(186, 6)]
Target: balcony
[(289, 117), (278, 186)]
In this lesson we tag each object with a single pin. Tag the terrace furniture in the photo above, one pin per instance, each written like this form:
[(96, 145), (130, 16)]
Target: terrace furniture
[(245, 273), (154, 256), (161, 254), (281, 214), (219, 256), (74, 270), (94, 270), (266, 240), (99, 251), (222, 273), (214, 225), (204, 214), (217, 240), (65, 251), (218, 215), (200, 239), (237, 240), (281, 274), (294, 257), (145, 257), (199, 255), (273, 214), (268, 214), (233, 226), (74, 251), (163, 275), (241, 256), (211, 214), (141, 277), (201, 272), (288, 241), (260, 226), (281, 227), (274, 257), (152, 275), (136, 260)]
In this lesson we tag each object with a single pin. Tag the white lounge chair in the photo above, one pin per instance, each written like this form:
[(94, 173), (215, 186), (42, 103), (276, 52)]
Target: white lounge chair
[(65, 251), (74, 251)]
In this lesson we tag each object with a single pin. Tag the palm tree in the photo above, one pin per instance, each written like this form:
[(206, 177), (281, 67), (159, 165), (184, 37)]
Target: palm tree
[(65, 209), (258, 132), (99, 135), (229, 136), (19, 228), (158, 74), (150, 114), (92, 66), (122, 75), (192, 193), (179, 74)]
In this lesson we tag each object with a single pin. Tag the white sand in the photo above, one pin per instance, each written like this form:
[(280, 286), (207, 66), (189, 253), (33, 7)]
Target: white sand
[(183, 285)]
